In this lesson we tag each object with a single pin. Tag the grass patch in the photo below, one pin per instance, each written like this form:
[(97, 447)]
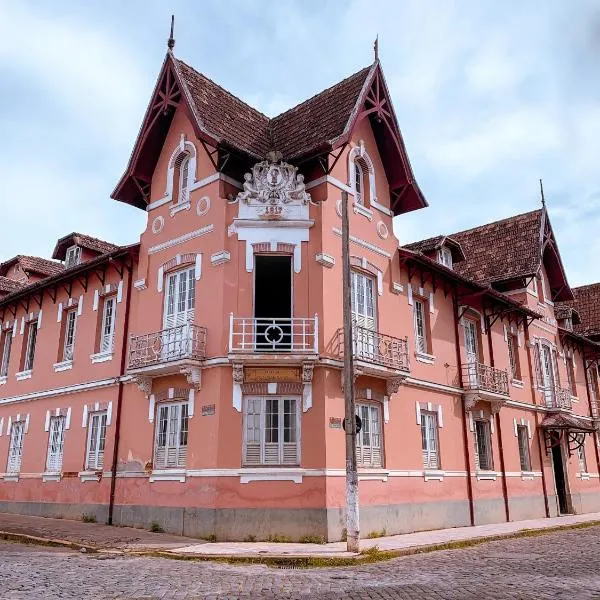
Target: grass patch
[(250, 538), (376, 534), (312, 539), (156, 528), (275, 538), (88, 518), (211, 538)]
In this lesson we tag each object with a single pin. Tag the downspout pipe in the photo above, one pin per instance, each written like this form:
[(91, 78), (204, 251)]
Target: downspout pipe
[(538, 431), (113, 480), (464, 412), (499, 428)]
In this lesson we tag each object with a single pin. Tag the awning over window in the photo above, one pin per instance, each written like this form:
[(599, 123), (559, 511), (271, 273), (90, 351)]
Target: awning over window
[(572, 423)]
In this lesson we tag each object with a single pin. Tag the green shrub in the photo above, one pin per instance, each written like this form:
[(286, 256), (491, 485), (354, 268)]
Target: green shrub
[(278, 539), (88, 518), (156, 528), (376, 534), (312, 539), (250, 538), (211, 538)]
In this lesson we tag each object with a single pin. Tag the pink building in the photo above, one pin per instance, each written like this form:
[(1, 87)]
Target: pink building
[(194, 379)]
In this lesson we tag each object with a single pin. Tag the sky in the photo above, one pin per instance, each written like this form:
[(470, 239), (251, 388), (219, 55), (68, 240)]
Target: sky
[(490, 96)]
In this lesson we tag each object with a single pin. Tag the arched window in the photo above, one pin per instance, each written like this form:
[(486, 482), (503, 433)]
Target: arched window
[(182, 166), (358, 182)]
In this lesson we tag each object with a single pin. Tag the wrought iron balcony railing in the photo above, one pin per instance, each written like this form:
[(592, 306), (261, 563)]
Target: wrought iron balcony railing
[(175, 343), (295, 335), (557, 397), (376, 348), (479, 377)]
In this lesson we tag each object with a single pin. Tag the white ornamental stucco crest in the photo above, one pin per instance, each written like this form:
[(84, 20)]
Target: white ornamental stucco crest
[(273, 190)]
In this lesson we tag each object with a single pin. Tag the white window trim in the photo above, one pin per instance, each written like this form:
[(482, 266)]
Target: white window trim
[(108, 339), (181, 451), (13, 465), (72, 256), (93, 467), (57, 457), (262, 431), (421, 341), (370, 446), (445, 257), (30, 347)]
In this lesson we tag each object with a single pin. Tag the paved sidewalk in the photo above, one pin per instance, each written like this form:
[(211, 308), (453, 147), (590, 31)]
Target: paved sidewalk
[(91, 534), (127, 538), (393, 542)]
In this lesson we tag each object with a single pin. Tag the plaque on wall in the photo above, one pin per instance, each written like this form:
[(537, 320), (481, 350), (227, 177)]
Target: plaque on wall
[(272, 374)]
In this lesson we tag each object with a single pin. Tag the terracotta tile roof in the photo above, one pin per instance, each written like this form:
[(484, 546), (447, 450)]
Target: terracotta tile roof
[(502, 250), (33, 264), (587, 304), (8, 285), (297, 131), (225, 115), (435, 243), (85, 241), (567, 421), (318, 120)]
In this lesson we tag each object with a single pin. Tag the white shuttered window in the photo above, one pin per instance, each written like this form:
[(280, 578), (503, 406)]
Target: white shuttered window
[(108, 324), (96, 440), (363, 300), (15, 449), (170, 448), (5, 353), (420, 326), (483, 446), (272, 431), (56, 442), (70, 327), (429, 440), (368, 440)]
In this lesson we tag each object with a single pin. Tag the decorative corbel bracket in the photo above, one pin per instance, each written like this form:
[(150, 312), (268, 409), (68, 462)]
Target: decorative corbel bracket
[(193, 376), (307, 377), (238, 379), (143, 383), (393, 384)]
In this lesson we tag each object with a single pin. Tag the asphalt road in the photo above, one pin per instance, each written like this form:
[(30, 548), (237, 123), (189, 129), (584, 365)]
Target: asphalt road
[(557, 565)]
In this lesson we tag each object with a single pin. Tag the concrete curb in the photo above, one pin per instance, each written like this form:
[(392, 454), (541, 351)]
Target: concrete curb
[(24, 538)]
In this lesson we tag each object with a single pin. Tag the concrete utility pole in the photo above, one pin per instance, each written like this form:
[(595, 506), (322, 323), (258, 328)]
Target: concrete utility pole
[(352, 522)]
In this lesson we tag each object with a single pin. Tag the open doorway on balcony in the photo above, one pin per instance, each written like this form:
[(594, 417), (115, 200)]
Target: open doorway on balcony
[(273, 302)]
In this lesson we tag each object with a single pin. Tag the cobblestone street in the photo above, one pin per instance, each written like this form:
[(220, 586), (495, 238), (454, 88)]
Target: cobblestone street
[(556, 565)]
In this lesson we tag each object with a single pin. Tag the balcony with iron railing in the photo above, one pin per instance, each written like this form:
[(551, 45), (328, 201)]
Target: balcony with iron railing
[(296, 335), (374, 348), (484, 379), (167, 350), (557, 398)]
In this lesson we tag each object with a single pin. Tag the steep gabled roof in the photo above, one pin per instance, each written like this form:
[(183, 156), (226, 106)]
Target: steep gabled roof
[(316, 126), (502, 250), (84, 241), (32, 264), (586, 301)]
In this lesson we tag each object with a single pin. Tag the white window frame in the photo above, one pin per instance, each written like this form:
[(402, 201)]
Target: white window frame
[(420, 325), (72, 256), (513, 359), (488, 463), (6, 348), (96, 440), (70, 330), (524, 450), (183, 195), (15, 448), (581, 458), (32, 331), (445, 257), (369, 441), (56, 441), (180, 298), (359, 182), (107, 331), (363, 300), (257, 450), (171, 436), (430, 439)]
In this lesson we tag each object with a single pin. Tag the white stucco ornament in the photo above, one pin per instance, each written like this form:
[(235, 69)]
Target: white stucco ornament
[(273, 189)]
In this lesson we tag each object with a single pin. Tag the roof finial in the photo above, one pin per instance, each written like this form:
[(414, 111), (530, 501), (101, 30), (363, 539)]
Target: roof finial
[(542, 193), (376, 48), (171, 40)]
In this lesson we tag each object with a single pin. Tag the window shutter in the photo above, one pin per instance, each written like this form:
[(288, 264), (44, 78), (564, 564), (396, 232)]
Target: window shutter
[(60, 312), (418, 411), (47, 422), (39, 319), (410, 294), (431, 304), (96, 300), (440, 416), (120, 291)]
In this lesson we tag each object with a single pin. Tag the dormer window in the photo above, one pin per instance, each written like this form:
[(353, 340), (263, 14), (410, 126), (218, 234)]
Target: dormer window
[(183, 169), (445, 257), (73, 256)]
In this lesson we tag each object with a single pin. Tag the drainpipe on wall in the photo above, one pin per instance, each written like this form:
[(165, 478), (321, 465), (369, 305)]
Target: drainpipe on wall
[(499, 428), (113, 468), (464, 412), (538, 431), (589, 397)]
